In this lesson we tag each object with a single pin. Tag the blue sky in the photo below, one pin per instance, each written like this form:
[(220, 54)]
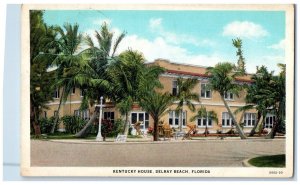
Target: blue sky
[(193, 37)]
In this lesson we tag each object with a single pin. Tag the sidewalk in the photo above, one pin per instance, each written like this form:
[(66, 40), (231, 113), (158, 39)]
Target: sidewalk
[(149, 140)]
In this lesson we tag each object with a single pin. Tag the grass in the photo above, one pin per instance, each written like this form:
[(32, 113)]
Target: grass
[(61, 135), (269, 161)]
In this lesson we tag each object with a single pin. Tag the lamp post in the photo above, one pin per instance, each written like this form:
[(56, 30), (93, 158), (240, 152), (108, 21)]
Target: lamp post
[(99, 135)]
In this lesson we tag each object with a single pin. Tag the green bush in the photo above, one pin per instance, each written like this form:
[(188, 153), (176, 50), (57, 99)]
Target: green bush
[(73, 124), (112, 129), (46, 124)]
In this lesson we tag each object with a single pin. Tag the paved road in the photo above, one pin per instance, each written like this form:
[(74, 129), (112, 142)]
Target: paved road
[(204, 153)]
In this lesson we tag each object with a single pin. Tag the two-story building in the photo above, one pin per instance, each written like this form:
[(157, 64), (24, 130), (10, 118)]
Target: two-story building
[(208, 98)]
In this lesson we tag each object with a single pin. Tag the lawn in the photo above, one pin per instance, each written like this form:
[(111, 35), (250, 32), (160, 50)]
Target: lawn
[(269, 161)]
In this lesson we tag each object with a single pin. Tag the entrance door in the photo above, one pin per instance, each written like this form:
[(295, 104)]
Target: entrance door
[(140, 116)]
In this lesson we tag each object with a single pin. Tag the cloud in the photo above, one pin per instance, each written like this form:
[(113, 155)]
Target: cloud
[(160, 48), (278, 46), (157, 28), (244, 29)]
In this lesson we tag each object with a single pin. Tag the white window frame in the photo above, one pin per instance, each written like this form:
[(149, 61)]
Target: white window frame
[(228, 95), (56, 94), (174, 117), (175, 86), (249, 116), (143, 125), (269, 121), (205, 91), (201, 119), (109, 115), (84, 114), (227, 117)]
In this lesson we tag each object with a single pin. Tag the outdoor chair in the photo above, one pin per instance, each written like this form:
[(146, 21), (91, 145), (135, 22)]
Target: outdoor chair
[(167, 131), (136, 126), (191, 129)]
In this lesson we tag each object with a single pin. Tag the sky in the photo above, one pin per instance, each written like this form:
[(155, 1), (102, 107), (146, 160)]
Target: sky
[(193, 37)]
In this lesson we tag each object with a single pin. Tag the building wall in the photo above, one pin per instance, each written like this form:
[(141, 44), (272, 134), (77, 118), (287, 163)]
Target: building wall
[(214, 103)]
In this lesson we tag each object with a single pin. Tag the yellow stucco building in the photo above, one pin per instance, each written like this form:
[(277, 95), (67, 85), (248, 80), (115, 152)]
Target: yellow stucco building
[(209, 99)]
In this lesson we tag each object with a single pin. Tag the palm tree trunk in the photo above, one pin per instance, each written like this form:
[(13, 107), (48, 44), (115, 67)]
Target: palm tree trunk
[(259, 120), (126, 128), (238, 127), (180, 120), (272, 134), (85, 130), (155, 129), (57, 115)]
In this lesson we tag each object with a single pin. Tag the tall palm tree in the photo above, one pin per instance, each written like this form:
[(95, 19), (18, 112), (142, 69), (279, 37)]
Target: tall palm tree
[(222, 80), (279, 98), (72, 67), (185, 96), (203, 113), (132, 80), (258, 95), (237, 43), (102, 56), (42, 40), (156, 104)]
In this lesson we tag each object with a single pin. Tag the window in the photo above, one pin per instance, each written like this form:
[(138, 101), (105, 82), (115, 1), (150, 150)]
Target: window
[(249, 119), (205, 91), (85, 114), (140, 116), (228, 96), (55, 113), (204, 121), (56, 93), (73, 90), (174, 119), (82, 92), (109, 116), (77, 113), (226, 120), (45, 114), (174, 88), (269, 121)]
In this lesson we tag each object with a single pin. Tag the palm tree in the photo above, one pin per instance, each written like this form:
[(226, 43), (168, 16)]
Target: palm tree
[(42, 39), (72, 67), (102, 56), (237, 43), (156, 104), (258, 95), (222, 80), (132, 80), (279, 98), (185, 96), (203, 113)]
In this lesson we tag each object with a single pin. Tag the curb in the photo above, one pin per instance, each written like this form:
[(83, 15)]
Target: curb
[(246, 163)]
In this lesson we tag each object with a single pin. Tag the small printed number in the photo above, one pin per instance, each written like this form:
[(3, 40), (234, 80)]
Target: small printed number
[(276, 172)]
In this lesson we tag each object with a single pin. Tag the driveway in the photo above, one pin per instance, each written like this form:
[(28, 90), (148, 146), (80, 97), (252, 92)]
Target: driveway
[(200, 153)]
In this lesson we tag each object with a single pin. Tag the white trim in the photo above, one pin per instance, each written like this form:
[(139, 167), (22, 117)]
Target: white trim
[(67, 102), (213, 104), (172, 75), (143, 124)]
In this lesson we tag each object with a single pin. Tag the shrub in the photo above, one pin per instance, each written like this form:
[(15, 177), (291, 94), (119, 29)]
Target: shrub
[(73, 124), (46, 124)]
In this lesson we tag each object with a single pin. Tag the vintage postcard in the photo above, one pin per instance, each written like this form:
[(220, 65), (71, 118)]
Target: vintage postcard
[(158, 90)]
